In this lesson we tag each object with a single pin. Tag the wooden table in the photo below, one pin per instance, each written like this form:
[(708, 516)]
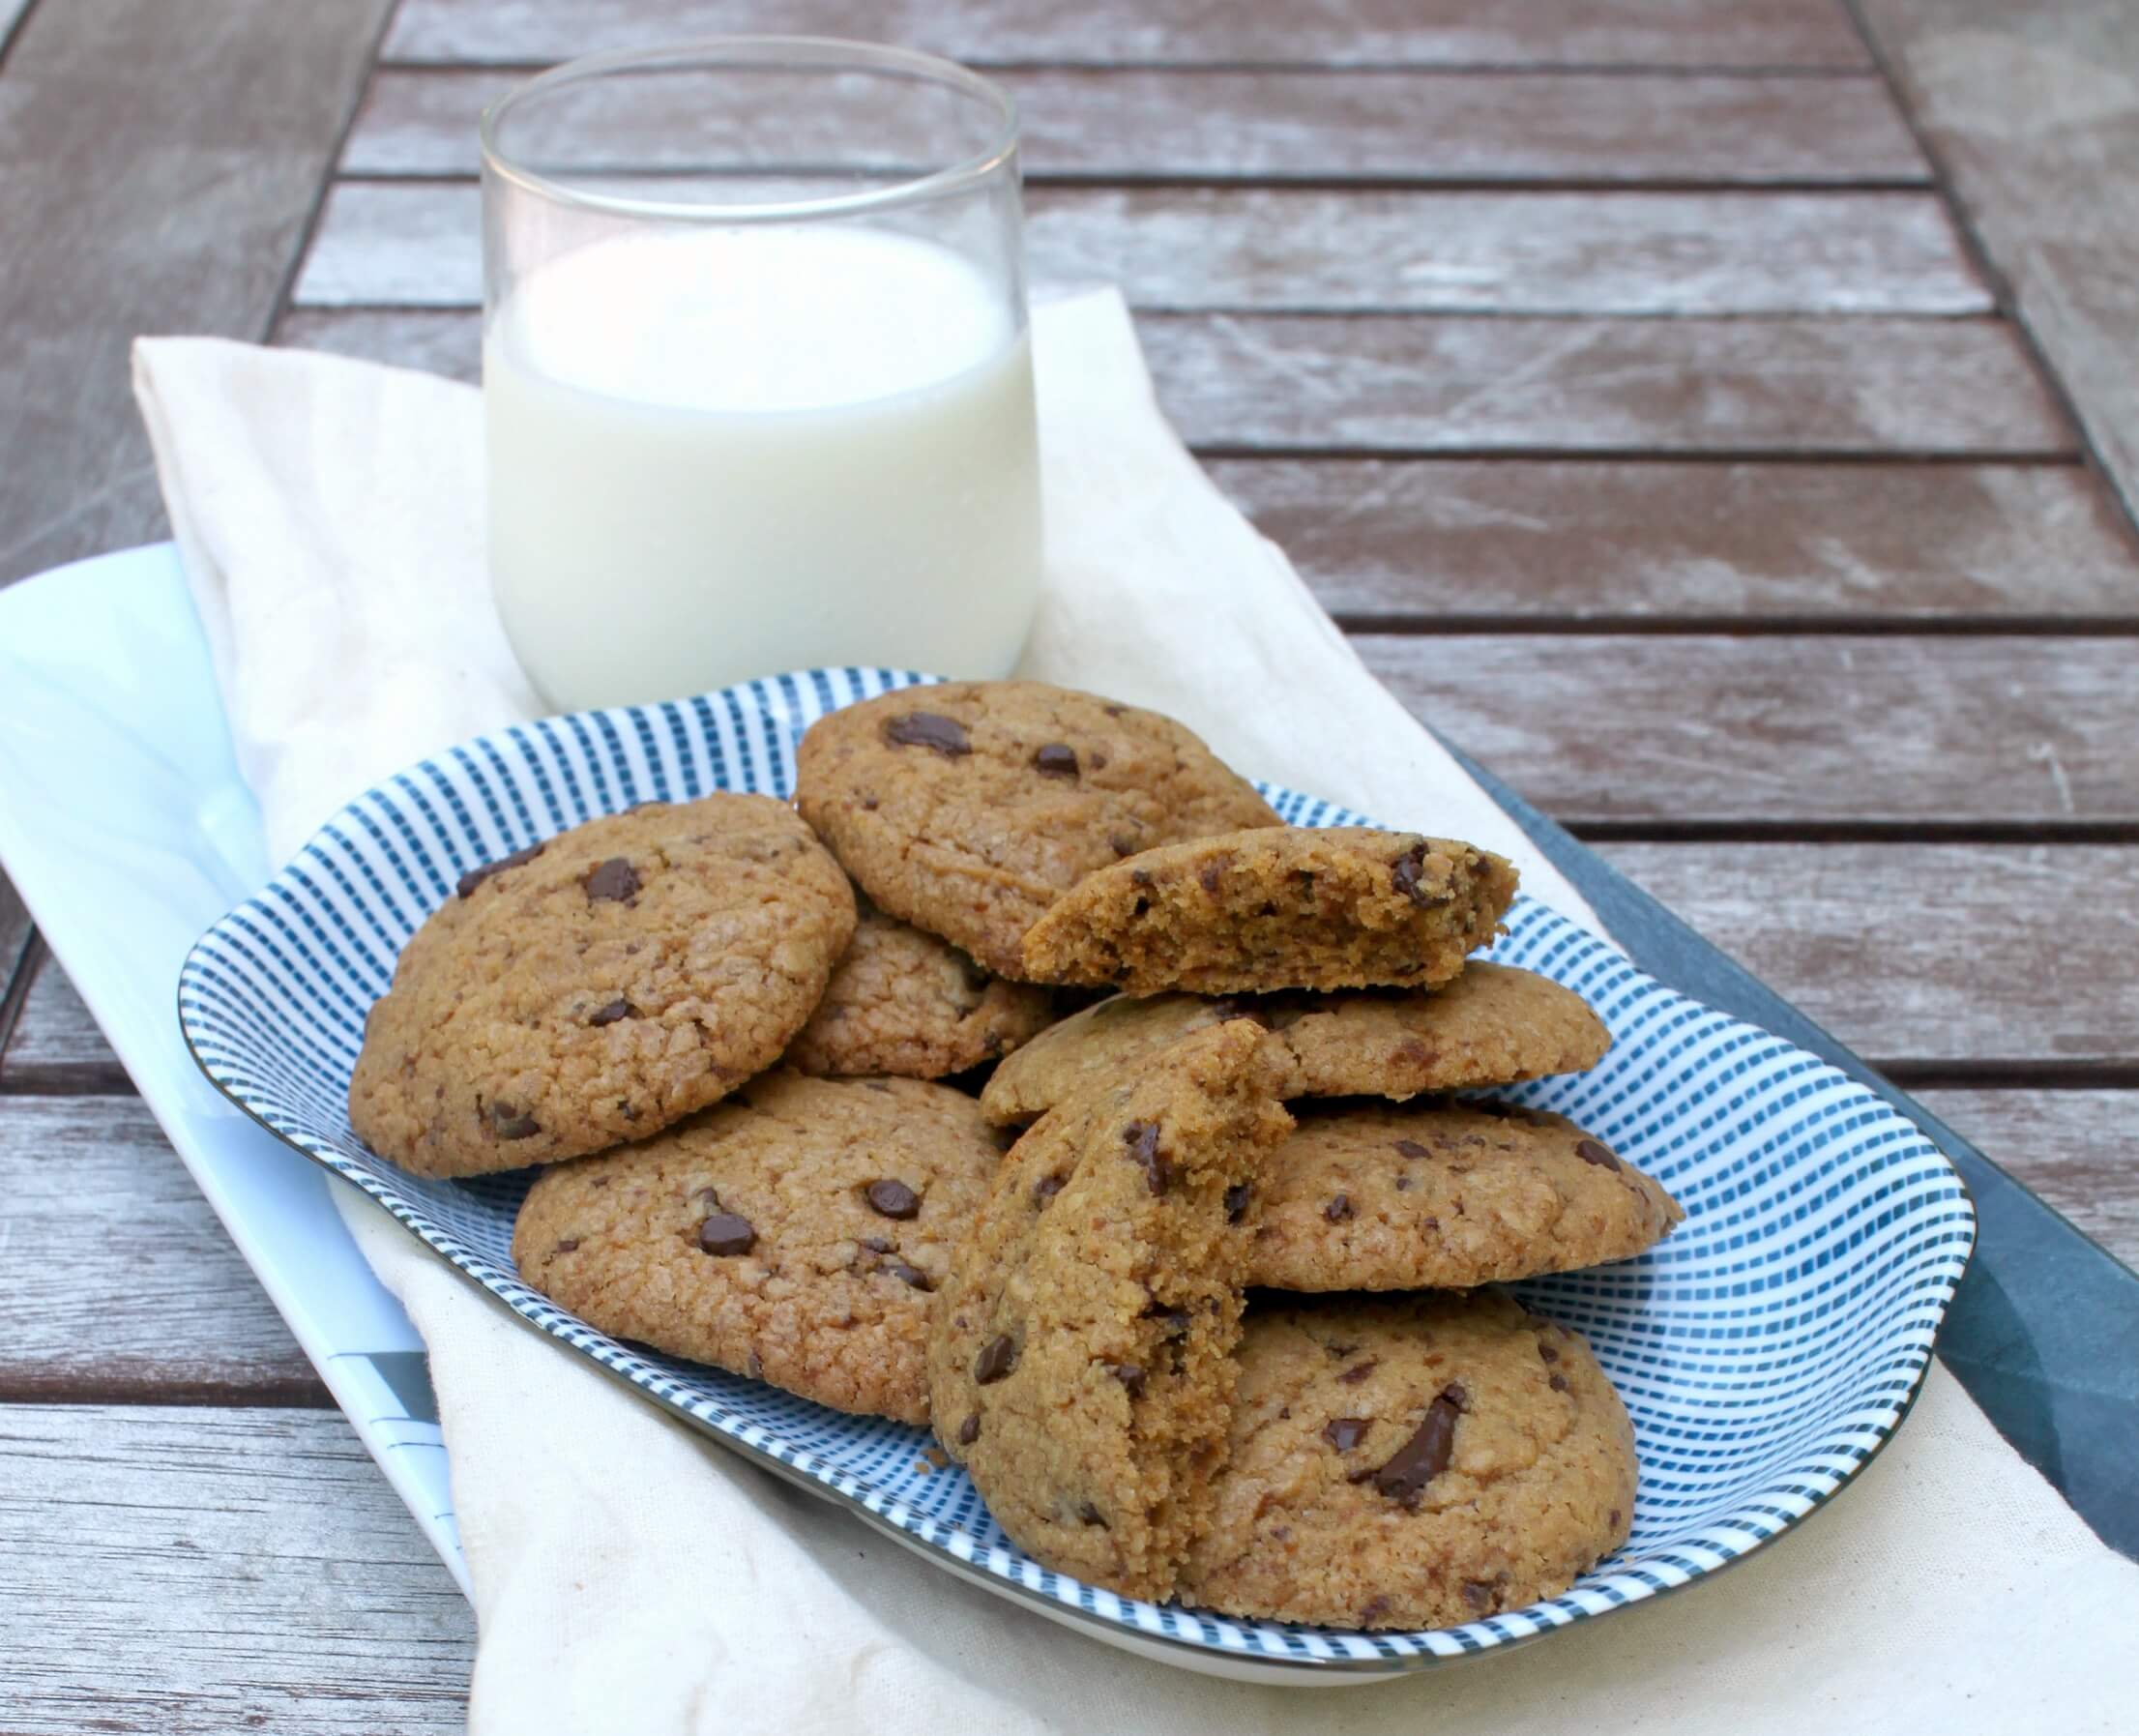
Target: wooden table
[(1717, 415)]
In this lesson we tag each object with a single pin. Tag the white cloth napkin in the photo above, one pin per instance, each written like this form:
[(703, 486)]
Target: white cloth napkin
[(631, 1575)]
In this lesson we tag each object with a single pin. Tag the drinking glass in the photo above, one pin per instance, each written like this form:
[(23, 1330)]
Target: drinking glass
[(755, 369)]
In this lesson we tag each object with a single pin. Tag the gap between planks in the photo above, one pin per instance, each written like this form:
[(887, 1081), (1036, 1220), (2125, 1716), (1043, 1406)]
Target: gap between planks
[(1191, 125)]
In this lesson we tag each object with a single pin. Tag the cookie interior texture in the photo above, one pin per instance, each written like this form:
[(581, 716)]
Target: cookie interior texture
[(1492, 1025), (1377, 1196), (968, 809), (1415, 1462), (1081, 1363), (797, 1233), (1277, 907), (903, 1002), (601, 986)]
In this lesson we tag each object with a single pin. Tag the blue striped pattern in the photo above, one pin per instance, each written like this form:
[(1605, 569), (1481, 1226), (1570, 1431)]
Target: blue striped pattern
[(1765, 1351)]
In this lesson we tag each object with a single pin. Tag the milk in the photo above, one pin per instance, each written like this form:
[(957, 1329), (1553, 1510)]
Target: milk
[(719, 454)]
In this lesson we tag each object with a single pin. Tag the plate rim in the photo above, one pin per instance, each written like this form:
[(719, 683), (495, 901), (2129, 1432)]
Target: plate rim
[(1203, 1657)]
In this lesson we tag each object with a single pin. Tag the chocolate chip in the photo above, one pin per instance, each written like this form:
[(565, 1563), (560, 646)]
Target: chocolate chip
[(1340, 1351), (1131, 1375), (1210, 875), (476, 876), (997, 1358), (1547, 1352), (614, 880), (889, 1198), (1425, 1455), (1122, 844), (1092, 1516), (929, 730), (513, 1123), (1404, 1183), (909, 1275), (1590, 1151), (1431, 1223), (1139, 876), (609, 1015), (1376, 1609), (969, 1430), (1403, 872), (1558, 1383), (1142, 1139), (1611, 1519), (1176, 1319), (877, 1243), (1236, 1201), (1359, 1371), (1411, 1148), (1339, 1209), (1045, 1188), (1057, 759), (567, 1244), (1113, 710), (1479, 1595), (724, 1233), (1346, 1432)]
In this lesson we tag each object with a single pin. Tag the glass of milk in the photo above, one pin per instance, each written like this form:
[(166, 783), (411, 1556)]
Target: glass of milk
[(755, 369)]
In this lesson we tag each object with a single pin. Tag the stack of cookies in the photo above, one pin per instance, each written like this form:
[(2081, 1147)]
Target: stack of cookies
[(1191, 1286)]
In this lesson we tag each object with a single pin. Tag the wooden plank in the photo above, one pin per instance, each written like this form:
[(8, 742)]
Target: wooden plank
[(1652, 386), (1415, 542), (1670, 728), (1931, 955), (1355, 33), (117, 114), (195, 1572), (406, 244), (2079, 1150), (1367, 384), (1968, 954), (125, 1283), (1227, 125), (2033, 106), (56, 1046)]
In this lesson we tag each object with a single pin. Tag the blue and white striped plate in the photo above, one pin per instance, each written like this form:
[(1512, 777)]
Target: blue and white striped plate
[(1765, 1350)]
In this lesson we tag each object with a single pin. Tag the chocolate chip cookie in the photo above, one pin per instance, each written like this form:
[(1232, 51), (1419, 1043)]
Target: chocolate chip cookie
[(1493, 1025), (1412, 1463), (1445, 1196), (904, 1002), (1081, 1362), (968, 809), (601, 986), (1285, 907), (797, 1233)]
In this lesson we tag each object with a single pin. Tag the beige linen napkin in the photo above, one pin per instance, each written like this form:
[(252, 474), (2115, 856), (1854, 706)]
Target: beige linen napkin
[(631, 1575)]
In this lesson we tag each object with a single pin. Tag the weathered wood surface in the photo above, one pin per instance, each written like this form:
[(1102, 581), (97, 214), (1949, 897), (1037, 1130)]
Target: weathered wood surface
[(1243, 383), (115, 116), (2079, 1150), (2018, 959), (2033, 106), (195, 1571), (1733, 731), (1274, 124), (1929, 956), (415, 244), (1412, 542), (1363, 33), (123, 1282), (56, 1046)]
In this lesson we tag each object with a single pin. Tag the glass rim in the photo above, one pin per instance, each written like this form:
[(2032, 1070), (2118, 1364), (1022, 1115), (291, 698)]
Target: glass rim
[(814, 54)]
